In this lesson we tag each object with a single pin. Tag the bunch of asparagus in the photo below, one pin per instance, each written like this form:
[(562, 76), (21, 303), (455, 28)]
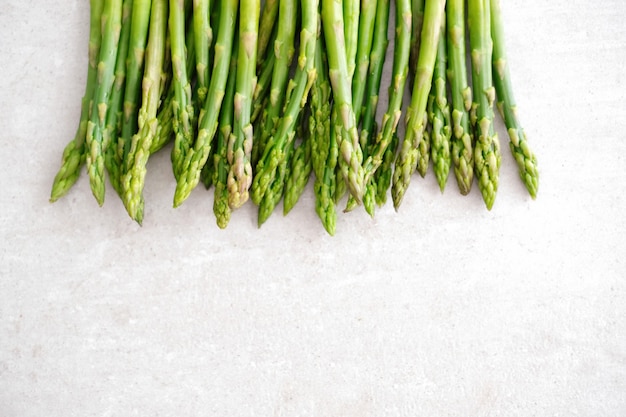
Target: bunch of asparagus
[(254, 99)]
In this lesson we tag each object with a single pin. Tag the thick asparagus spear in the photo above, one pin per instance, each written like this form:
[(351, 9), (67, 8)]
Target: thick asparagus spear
[(134, 177), (487, 149), (113, 158), (240, 141), (95, 140), (221, 209), (462, 136), (349, 147), (197, 155), (351, 14), (275, 151), (439, 114), (413, 147), (74, 152), (525, 158)]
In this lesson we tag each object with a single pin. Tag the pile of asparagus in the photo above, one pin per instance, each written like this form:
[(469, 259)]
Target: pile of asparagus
[(255, 99)]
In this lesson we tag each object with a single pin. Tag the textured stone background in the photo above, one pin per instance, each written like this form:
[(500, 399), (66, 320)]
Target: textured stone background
[(442, 309)]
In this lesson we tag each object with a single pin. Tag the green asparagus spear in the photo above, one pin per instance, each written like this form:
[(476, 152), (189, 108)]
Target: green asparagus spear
[(284, 49), (267, 27), (487, 149), (274, 192), (351, 14), (203, 36), (220, 163), (349, 147), (417, 11), (197, 155), (412, 147), (134, 177), (382, 176), (139, 28), (365, 39), (323, 147), (95, 141), (240, 141), (112, 158), (74, 152), (298, 174), (461, 93), (439, 114), (297, 94), (525, 158)]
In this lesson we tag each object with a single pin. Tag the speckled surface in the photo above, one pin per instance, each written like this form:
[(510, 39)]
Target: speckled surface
[(441, 309)]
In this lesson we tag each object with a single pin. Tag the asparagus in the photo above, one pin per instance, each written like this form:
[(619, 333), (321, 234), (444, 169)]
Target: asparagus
[(112, 158), (284, 49), (74, 152), (367, 22), (323, 147), (220, 163), (139, 27), (203, 36), (275, 190), (276, 149), (377, 60), (266, 29), (240, 141), (137, 158), (462, 136), (95, 141), (439, 114), (413, 145), (525, 158), (350, 149), (417, 9), (487, 149), (382, 176), (351, 12), (182, 105), (197, 155)]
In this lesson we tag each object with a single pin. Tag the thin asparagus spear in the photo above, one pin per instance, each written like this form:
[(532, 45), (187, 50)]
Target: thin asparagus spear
[(525, 158), (284, 49), (74, 152), (323, 147), (240, 141), (275, 190), (134, 177), (220, 163), (461, 93), (297, 94), (365, 39), (412, 148), (439, 114), (417, 10), (351, 14), (197, 156), (266, 28), (182, 105), (95, 141), (349, 147), (203, 36), (139, 28), (300, 167), (487, 149), (112, 158), (382, 176)]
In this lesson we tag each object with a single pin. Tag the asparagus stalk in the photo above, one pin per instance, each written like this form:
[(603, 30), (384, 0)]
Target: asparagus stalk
[(284, 49), (417, 9), (139, 28), (276, 149), (113, 158), (220, 162), (74, 152), (350, 149), (413, 147), (266, 29), (240, 141), (324, 151), (274, 192), (95, 140), (351, 12), (525, 158), (203, 36), (461, 93), (197, 155), (382, 176), (298, 174), (487, 149), (182, 105), (439, 114), (134, 177), (367, 22)]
